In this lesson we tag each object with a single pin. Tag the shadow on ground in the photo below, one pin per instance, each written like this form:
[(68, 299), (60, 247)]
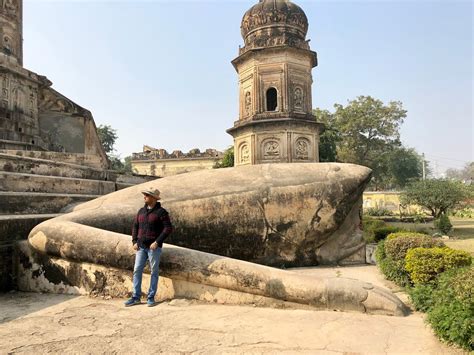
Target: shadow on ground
[(14, 305)]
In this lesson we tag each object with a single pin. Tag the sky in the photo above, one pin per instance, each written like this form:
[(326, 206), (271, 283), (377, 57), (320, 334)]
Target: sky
[(159, 72)]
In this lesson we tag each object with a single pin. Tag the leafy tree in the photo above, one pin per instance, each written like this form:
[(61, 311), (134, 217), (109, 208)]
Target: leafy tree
[(329, 138), (107, 136), (366, 132), (369, 129), (402, 166), (227, 160), (437, 195)]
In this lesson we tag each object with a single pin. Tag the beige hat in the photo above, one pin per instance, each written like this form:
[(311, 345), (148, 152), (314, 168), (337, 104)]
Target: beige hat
[(152, 192)]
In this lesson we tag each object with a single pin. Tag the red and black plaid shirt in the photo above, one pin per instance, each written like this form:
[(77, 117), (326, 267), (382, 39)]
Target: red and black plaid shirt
[(151, 225)]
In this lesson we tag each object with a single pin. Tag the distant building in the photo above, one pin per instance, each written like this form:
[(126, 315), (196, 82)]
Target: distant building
[(158, 162)]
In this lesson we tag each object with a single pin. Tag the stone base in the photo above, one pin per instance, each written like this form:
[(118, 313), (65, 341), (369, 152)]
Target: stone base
[(40, 273), (370, 254), (285, 140)]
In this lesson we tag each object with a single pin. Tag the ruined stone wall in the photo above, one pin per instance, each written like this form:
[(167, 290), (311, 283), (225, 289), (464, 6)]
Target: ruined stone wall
[(164, 168), (158, 162)]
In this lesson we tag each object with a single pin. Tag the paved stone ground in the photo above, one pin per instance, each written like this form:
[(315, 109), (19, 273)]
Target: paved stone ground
[(41, 323)]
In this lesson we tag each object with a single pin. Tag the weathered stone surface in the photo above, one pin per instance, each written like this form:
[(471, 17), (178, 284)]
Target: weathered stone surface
[(72, 241), (275, 214), (312, 201), (38, 202), (17, 182)]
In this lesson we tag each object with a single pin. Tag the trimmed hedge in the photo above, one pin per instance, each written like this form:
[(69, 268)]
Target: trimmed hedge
[(449, 302), (390, 254), (424, 264), (398, 244), (446, 296), (393, 270)]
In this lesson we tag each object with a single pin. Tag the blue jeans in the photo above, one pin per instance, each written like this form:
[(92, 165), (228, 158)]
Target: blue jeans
[(142, 255)]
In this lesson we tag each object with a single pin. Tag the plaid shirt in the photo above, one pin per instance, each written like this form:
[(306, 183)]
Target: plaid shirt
[(151, 225)]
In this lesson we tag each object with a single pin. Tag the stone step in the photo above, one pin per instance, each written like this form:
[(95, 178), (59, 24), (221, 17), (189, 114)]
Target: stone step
[(93, 161), (20, 182), (17, 227), (38, 202), (37, 166)]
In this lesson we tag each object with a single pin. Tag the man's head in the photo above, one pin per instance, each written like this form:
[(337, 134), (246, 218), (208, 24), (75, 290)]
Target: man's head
[(151, 196)]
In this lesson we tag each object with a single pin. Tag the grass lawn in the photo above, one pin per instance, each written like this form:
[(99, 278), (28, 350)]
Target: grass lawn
[(462, 233)]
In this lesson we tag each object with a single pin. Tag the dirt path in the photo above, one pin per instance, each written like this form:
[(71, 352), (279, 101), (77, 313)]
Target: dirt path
[(40, 323)]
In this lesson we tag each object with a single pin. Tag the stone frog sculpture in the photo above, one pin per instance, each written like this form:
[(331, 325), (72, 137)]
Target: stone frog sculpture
[(278, 214)]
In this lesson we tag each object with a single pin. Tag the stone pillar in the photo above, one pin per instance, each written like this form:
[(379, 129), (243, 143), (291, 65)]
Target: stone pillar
[(11, 29)]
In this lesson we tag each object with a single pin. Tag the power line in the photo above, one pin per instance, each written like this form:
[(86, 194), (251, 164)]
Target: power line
[(438, 157)]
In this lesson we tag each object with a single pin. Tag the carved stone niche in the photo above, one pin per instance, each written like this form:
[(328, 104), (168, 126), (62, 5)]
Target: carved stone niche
[(247, 103), (302, 149), (271, 149), (244, 153), (298, 98)]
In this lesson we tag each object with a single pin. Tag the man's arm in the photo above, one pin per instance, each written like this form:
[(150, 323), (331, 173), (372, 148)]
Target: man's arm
[(135, 230), (167, 228)]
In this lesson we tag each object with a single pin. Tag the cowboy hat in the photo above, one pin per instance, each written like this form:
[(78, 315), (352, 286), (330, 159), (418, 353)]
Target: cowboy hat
[(153, 193)]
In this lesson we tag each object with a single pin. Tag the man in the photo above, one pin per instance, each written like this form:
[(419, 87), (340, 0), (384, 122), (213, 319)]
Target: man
[(151, 227)]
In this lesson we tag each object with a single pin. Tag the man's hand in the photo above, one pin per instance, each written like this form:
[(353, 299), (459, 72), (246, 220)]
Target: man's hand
[(135, 246), (154, 245)]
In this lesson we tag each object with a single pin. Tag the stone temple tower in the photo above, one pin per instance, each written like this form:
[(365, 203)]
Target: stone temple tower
[(34, 116), (11, 36), (275, 123)]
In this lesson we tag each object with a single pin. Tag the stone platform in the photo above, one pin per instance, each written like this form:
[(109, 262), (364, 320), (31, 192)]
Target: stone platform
[(182, 326)]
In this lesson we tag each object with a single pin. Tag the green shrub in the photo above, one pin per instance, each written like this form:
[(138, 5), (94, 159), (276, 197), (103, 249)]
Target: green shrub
[(368, 226), (376, 230), (393, 270), (443, 224), (382, 232), (463, 285), (422, 296), (398, 244), (466, 212), (424, 264), (452, 312), (377, 212), (405, 234)]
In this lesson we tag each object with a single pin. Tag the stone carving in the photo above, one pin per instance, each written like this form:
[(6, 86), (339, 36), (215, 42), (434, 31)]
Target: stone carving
[(19, 98), (5, 88), (302, 149), (298, 98), (248, 103), (271, 149), (10, 7), (270, 23), (244, 154), (258, 18), (252, 218), (51, 102), (32, 103)]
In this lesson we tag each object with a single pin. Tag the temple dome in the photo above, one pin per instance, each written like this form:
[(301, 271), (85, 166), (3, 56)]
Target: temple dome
[(274, 23)]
